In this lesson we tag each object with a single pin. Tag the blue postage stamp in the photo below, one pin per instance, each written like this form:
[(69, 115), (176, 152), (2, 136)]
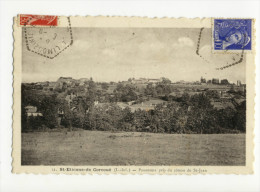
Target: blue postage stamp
[(232, 34)]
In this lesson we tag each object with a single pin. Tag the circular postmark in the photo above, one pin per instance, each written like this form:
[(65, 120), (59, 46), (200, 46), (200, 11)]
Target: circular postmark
[(234, 62), (198, 46), (49, 41), (232, 58)]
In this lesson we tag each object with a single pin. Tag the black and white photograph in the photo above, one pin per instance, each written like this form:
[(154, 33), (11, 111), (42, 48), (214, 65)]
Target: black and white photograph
[(131, 96)]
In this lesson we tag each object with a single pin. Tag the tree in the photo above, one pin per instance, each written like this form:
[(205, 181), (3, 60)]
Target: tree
[(201, 101), (163, 88), (226, 118), (24, 118), (212, 94), (140, 120), (23, 110), (125, 93), (166, 80), (35, 123), (201, 121), (49, 109), (202, 118), (104, 118), (91, 94), (161, 120), (127, 115), (149, 89), (105, 86), (240, 117), (185, 98), (127, 120)]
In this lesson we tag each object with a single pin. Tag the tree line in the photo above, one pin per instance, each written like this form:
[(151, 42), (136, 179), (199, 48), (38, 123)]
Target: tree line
[(190, 114)]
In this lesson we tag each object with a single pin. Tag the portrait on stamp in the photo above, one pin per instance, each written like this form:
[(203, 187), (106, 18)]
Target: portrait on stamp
[(232, 34), (112, 97)]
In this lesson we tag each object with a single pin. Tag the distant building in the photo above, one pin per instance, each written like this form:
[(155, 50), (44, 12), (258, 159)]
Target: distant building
[(83, 81), (209, 81), (139, 81), (154, 80), (215, 81), (239, 83), (32, 111), (67, 80), (224, 82), (186, 82), (144, 81)]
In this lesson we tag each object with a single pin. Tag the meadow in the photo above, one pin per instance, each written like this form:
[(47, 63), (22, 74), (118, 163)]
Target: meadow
[(82, 147)]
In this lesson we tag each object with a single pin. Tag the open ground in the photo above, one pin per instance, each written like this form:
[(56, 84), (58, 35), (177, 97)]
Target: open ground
[(83, 147)]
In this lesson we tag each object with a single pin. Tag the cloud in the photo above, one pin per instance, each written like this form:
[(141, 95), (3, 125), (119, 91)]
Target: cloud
[(152, 46), (184, 42), (109, 52)]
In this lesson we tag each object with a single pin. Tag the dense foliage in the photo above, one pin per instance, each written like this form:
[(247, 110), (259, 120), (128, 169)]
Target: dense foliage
[(187, 114)]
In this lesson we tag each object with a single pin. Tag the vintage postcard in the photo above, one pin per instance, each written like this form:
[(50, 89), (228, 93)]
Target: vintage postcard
[(130, 95)]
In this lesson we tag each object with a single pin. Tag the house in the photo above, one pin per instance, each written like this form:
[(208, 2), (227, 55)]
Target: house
[(31, 111), (145, 81), (154, 81), (83, 81), (65, 81), (139, 81), (215, 81), (224, 82)]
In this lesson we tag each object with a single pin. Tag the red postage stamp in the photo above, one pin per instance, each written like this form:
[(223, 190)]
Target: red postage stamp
[(39, 20)]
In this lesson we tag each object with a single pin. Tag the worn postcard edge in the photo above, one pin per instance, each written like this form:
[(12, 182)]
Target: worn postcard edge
[(102, 21)]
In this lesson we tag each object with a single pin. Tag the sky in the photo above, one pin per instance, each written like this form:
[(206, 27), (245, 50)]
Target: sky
[(116, 54)]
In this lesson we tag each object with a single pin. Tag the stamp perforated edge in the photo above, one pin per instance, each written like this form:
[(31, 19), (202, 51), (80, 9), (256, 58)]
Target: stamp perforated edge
[(128, 22), (38, 25), (252, 51)]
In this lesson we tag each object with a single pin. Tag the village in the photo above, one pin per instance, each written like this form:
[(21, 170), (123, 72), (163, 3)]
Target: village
[(226, 94)]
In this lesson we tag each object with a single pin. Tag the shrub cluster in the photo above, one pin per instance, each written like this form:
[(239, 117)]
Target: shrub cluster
[(193, 114)]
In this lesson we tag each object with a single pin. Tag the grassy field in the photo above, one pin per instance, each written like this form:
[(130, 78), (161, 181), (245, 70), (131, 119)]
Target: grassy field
[(105, 148)]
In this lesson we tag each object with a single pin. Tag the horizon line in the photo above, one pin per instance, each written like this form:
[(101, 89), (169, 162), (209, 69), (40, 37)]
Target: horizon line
[(176, 81)]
